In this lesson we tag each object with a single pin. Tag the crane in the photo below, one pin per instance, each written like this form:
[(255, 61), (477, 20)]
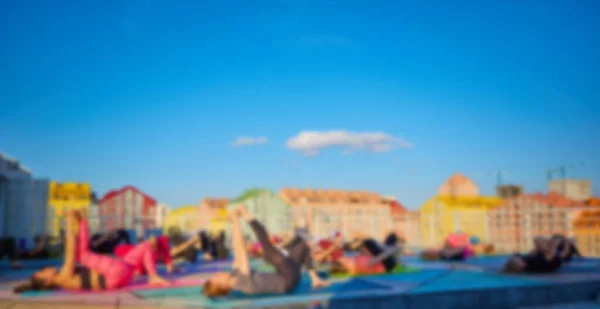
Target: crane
[(499, 175), (561, 170)]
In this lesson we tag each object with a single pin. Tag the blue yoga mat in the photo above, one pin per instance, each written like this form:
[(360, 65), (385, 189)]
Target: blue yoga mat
[(575, 266), (303, 289), (32, 264)]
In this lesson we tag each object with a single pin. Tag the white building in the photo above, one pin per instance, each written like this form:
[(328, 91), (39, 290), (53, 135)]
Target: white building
[(23, 201), (162, 210)]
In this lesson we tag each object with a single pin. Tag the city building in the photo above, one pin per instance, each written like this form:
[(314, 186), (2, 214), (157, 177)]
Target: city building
[(515, 223), (162, 210), (23, 201), (212, 214), (184, 218), (94, 220), (508, 191), (127, 208), (574, 189), (406, 224), (65, 196), (327, 211), (586, 232), (268, 208), (457, 207)]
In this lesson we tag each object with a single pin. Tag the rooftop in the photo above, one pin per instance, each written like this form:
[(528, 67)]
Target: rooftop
[(330, 196)]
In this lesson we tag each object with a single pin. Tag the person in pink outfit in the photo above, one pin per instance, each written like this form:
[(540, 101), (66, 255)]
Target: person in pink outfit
[(95, 272)]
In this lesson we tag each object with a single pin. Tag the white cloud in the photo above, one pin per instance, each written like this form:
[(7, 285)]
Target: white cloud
[(249, 141), (310, 143)]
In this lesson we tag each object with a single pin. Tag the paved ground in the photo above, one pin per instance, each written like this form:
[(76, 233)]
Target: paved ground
[(473, 284)]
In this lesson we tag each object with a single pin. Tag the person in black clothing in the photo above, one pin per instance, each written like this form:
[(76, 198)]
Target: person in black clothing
[(218, 250), (563, 242), (545, 258), (8, 248), (106, 243)]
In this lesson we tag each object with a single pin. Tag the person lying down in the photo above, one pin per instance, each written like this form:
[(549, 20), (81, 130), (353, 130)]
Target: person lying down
[(95, 272), (545, 258), (373, 258), (288, 267)]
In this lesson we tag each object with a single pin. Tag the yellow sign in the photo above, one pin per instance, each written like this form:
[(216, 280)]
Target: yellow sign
[(69, 194)]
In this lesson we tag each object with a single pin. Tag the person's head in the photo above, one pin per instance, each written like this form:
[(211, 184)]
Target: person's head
[(41, 280), (541, 244), (514, 264), (219, 284), (430, 255)]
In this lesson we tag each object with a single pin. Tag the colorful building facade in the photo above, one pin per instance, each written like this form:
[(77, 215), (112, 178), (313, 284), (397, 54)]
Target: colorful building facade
[(586, 232), (212, 215), (127, 208), (457, 207), (23, 201), (518, 220), (327, 211), (67, 196), (184, 218), (268, 208)]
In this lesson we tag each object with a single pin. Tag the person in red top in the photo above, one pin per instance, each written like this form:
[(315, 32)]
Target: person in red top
[(329, 250), (162, 251)]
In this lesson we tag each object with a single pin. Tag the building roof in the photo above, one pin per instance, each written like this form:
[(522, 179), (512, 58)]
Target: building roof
[(552, 199), (314, 196), (458, 179), (592, 201), (397, 208), (215, 202), (586, 217), (15, 162), (112, 193)]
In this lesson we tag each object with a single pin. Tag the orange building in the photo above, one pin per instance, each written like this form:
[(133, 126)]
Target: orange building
[(586, 230), (406, 223), (212, 214), (517, 220), (327, 211)]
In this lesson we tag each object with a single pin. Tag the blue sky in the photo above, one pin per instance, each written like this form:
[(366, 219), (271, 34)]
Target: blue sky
[(153, 93)]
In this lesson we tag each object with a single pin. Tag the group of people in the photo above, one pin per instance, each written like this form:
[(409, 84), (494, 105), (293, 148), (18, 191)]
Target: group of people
[(110, 261), (547, 256)]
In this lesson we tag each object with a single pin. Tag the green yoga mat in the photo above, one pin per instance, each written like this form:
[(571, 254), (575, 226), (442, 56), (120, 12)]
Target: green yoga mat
[(400, 269)]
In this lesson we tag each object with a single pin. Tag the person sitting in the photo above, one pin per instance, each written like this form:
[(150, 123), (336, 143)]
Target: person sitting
[(242, 279), (564, 242), (545, 258), (373, 258), (96, 271)]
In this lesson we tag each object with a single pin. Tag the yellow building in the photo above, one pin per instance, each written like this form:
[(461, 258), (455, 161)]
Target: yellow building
[(586, 231), (456, 207), (213, 214), (185, 218), (65, 196)]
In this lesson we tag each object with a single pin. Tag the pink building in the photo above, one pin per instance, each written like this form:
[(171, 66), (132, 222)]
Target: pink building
[(127, 208)]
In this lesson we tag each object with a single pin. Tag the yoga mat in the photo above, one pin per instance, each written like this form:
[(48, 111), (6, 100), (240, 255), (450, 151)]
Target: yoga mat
[(497, 264), (398, 270), (32, 264), (304, 288), (177, 284)]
